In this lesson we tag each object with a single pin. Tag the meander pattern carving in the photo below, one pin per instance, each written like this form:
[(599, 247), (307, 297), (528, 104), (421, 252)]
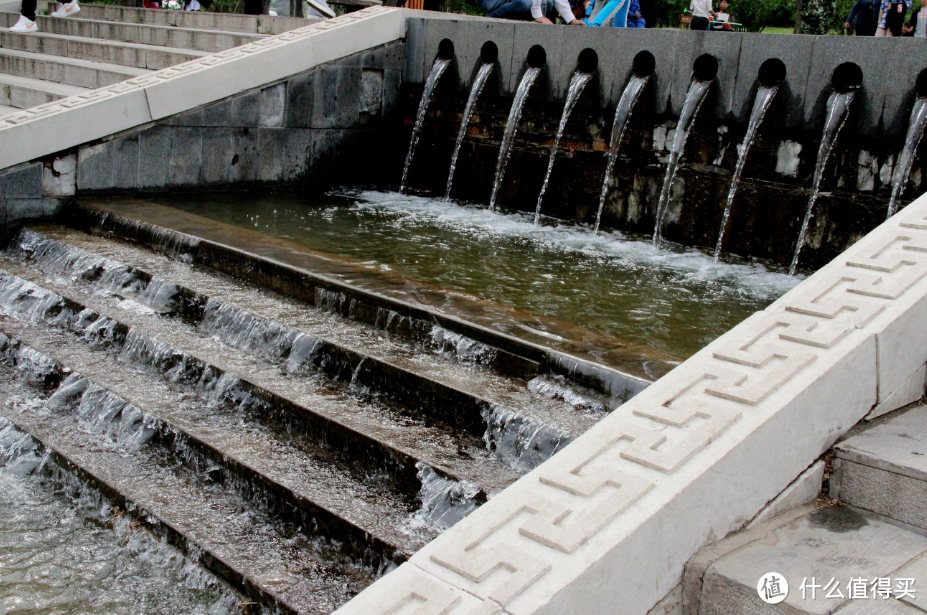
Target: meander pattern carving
[(572, 497)]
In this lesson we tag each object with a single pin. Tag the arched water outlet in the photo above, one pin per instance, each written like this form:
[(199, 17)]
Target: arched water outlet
[(704, 71), (445, 55), (489, 54), (536, 60), (845, 81), (913, 138), (642, 68), (586, 65), (770, 76)]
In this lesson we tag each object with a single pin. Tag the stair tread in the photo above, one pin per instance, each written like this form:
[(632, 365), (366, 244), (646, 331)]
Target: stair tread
[(897, 444), (103, 41), (282, 564), (51, 87), (128, 71), (4, 110), (432, 444), (44, 20)]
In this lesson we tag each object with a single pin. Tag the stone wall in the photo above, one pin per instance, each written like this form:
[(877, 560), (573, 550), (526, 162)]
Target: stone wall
[(774, 190)]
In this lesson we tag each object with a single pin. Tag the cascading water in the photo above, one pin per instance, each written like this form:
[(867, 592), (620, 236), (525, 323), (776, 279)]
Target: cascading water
[(481, 77), (511, 125), (622, 114), (903, 168), (694, 98), (838, 108), (437, 69), (764, 97), (577, 84)]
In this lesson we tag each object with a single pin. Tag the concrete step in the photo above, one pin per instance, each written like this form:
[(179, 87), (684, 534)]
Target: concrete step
[(825, 551), (69, 71), (199, 20), (23, 92), (881, 468), (5, 110), (162, 36), (124, 54)]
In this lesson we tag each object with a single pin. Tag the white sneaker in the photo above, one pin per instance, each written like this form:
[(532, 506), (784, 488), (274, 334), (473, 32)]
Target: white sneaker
[(24, 25), (67, 10)]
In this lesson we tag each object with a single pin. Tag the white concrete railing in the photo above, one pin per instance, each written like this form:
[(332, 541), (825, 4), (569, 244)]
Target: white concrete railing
[(607, 524), (55, 127)]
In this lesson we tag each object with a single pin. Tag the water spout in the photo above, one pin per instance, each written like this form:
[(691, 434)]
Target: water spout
[(838, 108), (511, 126), (437, 69), (577, 84), (694, 98), (622, 114), (481, 77), (764, 97), (912, 140)]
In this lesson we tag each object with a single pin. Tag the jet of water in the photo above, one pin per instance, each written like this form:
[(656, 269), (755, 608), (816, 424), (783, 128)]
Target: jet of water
[(764, 97), (511, 125), (913, 139), (481, 77), (694, 98), (577, 84), (622, 114), (437, 70), (838, 108)]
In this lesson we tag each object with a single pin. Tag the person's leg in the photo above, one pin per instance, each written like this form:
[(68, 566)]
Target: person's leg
[(699, 23), (28, 9), (506, 8)]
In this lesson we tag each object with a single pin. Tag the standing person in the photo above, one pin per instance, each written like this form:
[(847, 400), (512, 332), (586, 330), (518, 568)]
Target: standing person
[(608, 13), (917, 26), (26, 23), (891, 18), (635, 19), (701, 14), (864, 17)]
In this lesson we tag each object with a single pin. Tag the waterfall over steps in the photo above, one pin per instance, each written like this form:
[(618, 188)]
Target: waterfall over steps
[(481, 77), (838, 108), (437, 69), (511, 125)]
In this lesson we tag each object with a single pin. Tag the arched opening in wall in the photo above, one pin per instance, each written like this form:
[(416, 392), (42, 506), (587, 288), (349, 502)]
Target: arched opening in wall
[(920, 85), (705, 67), (446, 49), (588, 61), (772, 72), (847, 77), (537, 57), (644, 64), (489, 53)]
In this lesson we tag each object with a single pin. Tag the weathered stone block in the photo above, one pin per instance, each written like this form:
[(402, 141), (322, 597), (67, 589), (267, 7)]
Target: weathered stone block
[(186, 156), (413, 71), (284, 154), (154, 157), (246, 109), (273, 105), (348, 96), (245, 148), (20, 211), (217, 156), (112, 165), (300, 92), (216, 114), (527, 35), (388, 57), (22, 182), (456, 76), (325, 112), (392, 80), (371, 96)]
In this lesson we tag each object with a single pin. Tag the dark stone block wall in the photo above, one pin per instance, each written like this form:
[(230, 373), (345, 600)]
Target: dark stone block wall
[(775, 186)]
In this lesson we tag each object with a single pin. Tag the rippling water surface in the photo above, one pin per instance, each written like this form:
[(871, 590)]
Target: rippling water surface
[(673, 300)]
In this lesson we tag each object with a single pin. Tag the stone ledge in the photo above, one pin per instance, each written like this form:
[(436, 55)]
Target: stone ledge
[(597, 528)]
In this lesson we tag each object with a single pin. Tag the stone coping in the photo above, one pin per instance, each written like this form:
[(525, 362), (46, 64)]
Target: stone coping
[(607, 524), (58, 126)]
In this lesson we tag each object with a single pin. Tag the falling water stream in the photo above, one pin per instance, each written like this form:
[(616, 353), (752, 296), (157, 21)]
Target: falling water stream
[(838, 108), (694, 98), (437, 70), (913, 139), (511, 125), (577, 84), (481, 77), (764, 97), (622, 114)]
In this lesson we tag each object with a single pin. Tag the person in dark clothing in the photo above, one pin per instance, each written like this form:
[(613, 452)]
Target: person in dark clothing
[(864, 16), (894, 19), (917, 25)]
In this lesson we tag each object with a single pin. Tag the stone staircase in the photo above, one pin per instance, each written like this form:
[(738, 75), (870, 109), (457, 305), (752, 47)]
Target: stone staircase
[(872, 526), (105, 44)]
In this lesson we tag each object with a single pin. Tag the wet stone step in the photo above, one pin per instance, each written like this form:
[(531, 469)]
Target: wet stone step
[(366, 432), (111, 446), (454, 389), (215, 416)]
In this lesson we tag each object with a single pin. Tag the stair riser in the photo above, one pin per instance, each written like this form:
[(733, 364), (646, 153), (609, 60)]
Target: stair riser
[(894, 496), (82, 76), (95, 51), (24, 98)]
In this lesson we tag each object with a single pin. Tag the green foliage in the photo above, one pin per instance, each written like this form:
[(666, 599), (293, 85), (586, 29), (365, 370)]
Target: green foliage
[(756, 15), (663, 13), (464, 7), (841, 10), (223, 6), (816, 16)]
